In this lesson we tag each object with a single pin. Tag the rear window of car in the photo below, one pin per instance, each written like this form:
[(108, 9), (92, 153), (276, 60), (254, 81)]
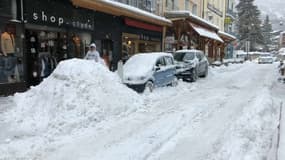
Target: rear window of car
[(179, 56), (182, 56)]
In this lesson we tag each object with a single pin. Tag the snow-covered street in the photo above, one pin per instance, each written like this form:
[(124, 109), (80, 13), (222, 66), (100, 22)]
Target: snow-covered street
[(230, 115)]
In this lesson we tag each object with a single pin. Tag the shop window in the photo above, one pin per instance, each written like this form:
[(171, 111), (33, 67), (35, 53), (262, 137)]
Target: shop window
[(46, 48), (133, 43), (11, 60)]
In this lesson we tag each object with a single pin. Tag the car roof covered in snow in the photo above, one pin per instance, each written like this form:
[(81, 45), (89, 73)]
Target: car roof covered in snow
[(188, 50)]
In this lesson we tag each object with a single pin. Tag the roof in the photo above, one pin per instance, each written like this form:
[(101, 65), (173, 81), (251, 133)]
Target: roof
[(154, 55), (187, 14), (227, 35), (188, 50), (206, 33), (120, 9)]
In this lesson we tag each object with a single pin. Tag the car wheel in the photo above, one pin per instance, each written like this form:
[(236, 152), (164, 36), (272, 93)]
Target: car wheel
[(174, 83), (194, 75), (149, 86), (205, 73)]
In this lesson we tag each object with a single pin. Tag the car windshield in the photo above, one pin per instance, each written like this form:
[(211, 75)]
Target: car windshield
[(183, 56)]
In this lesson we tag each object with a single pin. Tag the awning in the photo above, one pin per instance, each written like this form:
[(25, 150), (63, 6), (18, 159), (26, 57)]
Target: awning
[(120, 9), (226, 36), (206, 33), (178, 15)]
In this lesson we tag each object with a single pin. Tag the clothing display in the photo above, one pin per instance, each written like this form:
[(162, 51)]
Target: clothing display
[(47, 64)]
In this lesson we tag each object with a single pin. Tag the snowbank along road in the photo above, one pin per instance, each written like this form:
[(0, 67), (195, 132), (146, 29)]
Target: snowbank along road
[(230, 115)]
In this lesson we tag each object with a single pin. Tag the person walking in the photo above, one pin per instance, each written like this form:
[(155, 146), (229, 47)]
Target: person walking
[(93, 54)]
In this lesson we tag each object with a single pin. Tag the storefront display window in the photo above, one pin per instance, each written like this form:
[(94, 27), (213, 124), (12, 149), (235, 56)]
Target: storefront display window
[(46, 48), (134, 43), (11, 60)]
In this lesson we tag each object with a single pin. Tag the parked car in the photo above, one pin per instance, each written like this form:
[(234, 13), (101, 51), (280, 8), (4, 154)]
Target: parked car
[(265, 59), (191, 64), (146, 71)]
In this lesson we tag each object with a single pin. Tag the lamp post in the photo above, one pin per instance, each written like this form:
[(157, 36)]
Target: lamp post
[(250, 27)]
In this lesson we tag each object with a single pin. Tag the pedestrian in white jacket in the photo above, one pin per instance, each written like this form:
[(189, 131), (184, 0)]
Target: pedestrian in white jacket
[(92, 54)]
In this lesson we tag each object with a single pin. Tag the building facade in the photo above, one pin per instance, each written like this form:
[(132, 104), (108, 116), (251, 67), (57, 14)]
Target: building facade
[(215, 12), (194, 6), (230, 21)]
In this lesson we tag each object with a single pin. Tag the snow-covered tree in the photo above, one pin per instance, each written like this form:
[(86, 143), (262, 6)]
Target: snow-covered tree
[(267, 31), (249, 24)]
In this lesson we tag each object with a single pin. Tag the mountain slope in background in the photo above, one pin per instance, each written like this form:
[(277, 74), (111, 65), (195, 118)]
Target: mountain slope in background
[(275, 9)]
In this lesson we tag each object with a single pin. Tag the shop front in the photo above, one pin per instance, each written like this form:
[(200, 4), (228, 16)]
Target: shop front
[(192, 32), (134, 30), (11, 55), (54, 31), (140, 37)]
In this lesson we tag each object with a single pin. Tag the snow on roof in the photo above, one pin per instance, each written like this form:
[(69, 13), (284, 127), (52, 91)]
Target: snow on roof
[(78, 92), (136, 10), (240, 52), (206, 33), (188, 50), (186, 14), (227, 34), (142, 63)]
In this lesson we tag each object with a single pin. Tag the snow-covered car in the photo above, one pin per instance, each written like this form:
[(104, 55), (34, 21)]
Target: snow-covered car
[(146, 71), (265, 59), (191, 64)]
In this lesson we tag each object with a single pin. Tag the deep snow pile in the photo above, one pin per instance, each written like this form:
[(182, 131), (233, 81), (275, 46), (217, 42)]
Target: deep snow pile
[(79, 93)]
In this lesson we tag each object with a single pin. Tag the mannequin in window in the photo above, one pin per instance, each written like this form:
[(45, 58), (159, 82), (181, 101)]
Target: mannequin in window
[(7, 42), (76, 46), (8, 50)]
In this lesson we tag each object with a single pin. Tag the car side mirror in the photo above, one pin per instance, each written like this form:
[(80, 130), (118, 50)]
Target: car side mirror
[(156, 68)]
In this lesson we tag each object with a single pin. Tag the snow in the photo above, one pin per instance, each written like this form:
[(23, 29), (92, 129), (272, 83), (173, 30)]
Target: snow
[(206, 33), (136, 10), (230, 115), (189, 14), (227, 35), (76, 95)]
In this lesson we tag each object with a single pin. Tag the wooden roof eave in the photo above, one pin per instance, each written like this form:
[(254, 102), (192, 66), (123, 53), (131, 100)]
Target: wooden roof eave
[(117, 11)]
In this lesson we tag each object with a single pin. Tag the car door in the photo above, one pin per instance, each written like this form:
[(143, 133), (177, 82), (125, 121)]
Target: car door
[(170, 70), (159, 76), (202, 62)]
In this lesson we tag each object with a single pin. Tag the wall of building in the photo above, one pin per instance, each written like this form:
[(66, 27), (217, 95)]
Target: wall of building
[(194, 6), (215, 11)]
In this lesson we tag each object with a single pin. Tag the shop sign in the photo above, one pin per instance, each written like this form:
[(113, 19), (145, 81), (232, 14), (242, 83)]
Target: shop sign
[(43, 17), (149, 38), (58, 14), (215, 10), (228, 20)]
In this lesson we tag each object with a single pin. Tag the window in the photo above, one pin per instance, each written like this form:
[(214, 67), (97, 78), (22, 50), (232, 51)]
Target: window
[(160, 62), (11, 60), (169, 61), (187, 4), (5, 8), (189, 56), (194, 9)]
